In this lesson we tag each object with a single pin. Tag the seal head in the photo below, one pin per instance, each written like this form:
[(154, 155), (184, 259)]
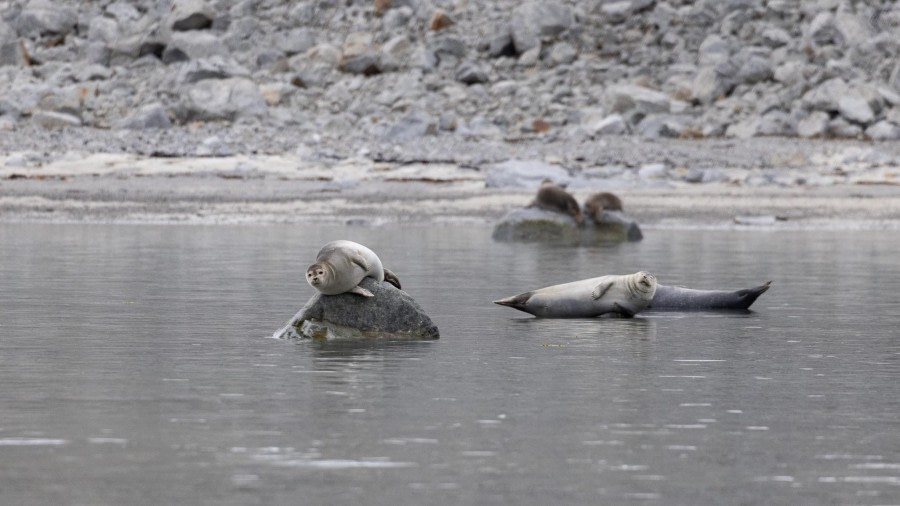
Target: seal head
[(341, 265)]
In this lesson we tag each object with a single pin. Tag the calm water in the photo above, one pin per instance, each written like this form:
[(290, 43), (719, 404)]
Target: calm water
[(136, 369)]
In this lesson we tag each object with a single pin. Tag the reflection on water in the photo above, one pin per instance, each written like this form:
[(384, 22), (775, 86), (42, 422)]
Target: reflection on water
[(136, 370)]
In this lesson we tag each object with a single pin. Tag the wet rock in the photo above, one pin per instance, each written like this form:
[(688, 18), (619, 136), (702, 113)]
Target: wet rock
[(390, 314), (537, 19), (533, 224), (524, 174)]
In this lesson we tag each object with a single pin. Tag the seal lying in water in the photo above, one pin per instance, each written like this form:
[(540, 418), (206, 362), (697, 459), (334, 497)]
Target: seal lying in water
[(341, 265), (625, 295), (686, 299)]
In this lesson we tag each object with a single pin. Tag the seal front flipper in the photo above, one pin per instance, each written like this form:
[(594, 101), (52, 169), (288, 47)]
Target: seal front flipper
[(360, 261), (601, 289), (391, 278), (622, 311), (360, 291)]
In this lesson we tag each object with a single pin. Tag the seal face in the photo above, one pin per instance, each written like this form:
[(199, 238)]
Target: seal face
[(341, 265), (555, 198), (599, 202), (625, 295)]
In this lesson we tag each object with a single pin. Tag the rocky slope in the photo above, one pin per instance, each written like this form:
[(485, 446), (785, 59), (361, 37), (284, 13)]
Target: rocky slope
[(393, 71)]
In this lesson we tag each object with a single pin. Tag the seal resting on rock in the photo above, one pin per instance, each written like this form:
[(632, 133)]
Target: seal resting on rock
[(686, 299), (341, 265), (553, 197), (599, 202), (625, 295)]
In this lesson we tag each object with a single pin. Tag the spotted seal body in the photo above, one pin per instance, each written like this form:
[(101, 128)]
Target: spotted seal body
[(676, 298), (625, 295), (341, 265), (555, 198)]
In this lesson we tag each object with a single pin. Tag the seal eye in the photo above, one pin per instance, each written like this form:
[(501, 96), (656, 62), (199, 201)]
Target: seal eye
[(320, 273)]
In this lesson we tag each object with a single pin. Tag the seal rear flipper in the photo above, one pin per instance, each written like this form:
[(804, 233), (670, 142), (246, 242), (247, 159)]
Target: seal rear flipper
[(360, 291), (391, 278), (749, 295), (516, 301), (626, 313)]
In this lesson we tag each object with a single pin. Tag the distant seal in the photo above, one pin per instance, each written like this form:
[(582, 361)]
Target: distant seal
[(553, 197), (686, 299), (341, 265), (625, 295), (599, 202)]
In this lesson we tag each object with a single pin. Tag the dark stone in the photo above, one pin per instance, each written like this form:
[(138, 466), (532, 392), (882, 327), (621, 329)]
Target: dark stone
[(390, 314), (533, 224)]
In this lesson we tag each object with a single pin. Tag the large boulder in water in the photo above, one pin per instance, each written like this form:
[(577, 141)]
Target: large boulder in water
[(533, 224), (391, 314)]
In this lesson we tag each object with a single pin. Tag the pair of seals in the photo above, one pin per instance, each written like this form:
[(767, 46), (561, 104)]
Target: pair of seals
[(625, 295), (341, 265), (553, 197)]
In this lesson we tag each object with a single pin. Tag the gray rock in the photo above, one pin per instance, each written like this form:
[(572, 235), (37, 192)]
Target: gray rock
[(193, 45), (774, 36), (821, 29), (775, 123), (623, 98), (841, 128), (10, 53), (501, 43), (223, 99), (359, 55), (613, 124), (709, 85), (523, 174), (396, 53), (826, 96), (390, 314), (563, 53), (616, 12), (851, 29), (190, 15), (214, 67), (537, 19), (103, 29), (148, 116), (413, 126), (653, 171), (855, 108), (755, 69), (295, 41), (471, 73), (43, 17), (883, 131), (533, 224), (54, 119), (814, 125), (712, 51)]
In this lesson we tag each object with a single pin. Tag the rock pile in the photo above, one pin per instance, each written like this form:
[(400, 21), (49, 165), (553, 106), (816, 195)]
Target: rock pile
[(398, 70)]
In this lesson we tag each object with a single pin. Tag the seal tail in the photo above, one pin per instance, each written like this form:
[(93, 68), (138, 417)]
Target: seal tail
[(749, 295), (391, 278), (516, 301)]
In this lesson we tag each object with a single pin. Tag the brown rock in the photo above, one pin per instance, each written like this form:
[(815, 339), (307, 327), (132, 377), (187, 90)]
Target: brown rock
[(440, 20)]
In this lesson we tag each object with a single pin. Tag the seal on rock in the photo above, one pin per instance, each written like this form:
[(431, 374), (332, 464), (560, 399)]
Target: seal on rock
[(626, 295), (341, 265), (553, 197), (686, 299), (599, 202)]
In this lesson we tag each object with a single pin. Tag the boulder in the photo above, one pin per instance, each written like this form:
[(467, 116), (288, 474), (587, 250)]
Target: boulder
[(533, 224), (390, 314), (535, 20), (193, 45), (42, 17), (223, 99), (149, 116), (524, 174), (190, 15), (883, 131), (359, 55)]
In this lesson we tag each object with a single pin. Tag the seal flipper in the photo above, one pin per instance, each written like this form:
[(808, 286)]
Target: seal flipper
[(622, 311), (516, 301), (360, 261), (601, 289), (360, 291), (748, 296), (391, 278)]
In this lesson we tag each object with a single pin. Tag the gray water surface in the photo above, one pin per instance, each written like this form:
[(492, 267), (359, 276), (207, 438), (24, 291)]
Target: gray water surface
[(136, 369)]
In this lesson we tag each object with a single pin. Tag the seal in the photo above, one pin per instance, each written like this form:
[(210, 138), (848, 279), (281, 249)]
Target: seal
[(599, 202), (341, 265), (676, 298), (626, 295), (553, 197)]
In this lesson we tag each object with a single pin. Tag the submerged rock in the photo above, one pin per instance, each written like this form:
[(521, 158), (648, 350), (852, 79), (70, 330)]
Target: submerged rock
[(532, 224), (391, 314)]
